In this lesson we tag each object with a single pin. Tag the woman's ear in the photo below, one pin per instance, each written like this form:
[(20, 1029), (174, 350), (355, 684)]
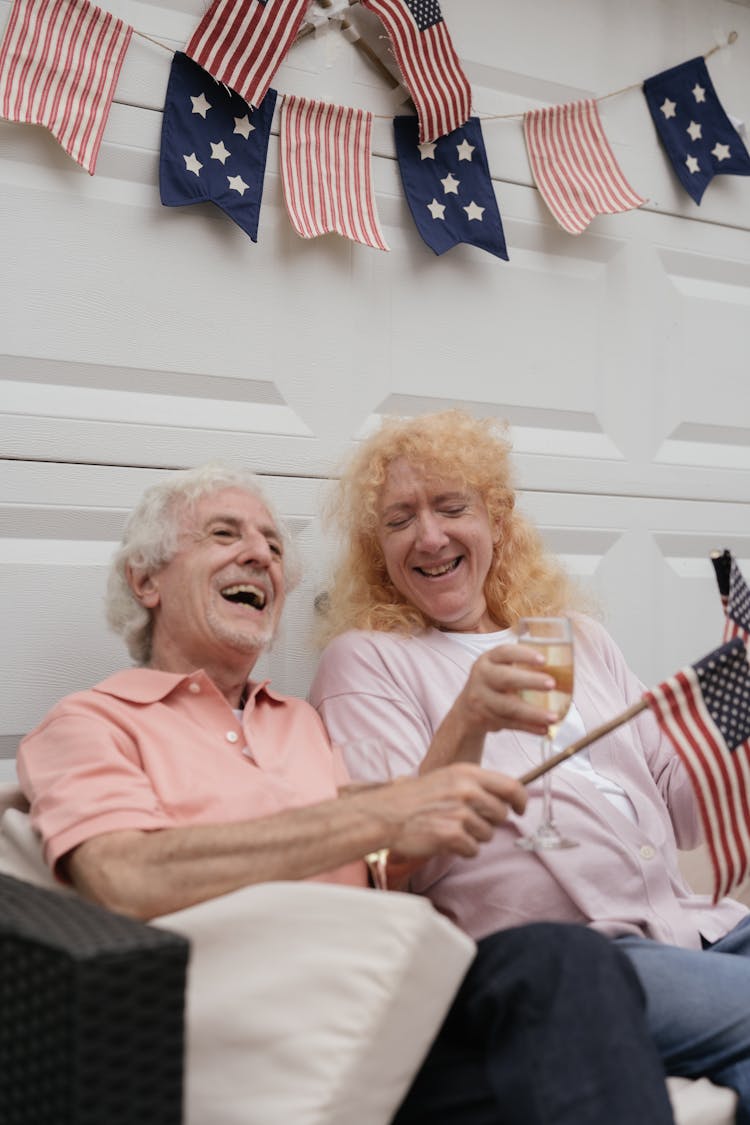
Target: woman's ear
[(144, 586)]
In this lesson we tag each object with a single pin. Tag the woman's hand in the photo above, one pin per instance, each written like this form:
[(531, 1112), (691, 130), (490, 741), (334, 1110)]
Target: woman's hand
[(489, 701)]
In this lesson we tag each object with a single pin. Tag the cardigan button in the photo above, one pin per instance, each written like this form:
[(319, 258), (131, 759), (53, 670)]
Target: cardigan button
[(232, 736), (647, 852)]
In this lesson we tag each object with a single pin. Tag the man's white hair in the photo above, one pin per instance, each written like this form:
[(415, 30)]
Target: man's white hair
[(150, 540)]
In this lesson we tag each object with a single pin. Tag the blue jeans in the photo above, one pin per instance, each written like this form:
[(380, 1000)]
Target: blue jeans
[(698, 1007)]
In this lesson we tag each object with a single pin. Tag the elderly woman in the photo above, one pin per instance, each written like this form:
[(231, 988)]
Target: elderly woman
[(437, 568)]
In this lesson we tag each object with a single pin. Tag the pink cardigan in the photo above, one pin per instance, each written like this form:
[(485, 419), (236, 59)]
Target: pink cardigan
[(623, 878)]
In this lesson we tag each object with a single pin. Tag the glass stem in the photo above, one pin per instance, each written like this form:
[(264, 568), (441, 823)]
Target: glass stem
[(547, 747)]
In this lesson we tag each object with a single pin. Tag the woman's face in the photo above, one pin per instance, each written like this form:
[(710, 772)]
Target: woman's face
[(436, 539)]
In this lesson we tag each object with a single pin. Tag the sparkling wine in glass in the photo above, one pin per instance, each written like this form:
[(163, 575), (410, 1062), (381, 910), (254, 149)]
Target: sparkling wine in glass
[(367, 763), (553, 637)]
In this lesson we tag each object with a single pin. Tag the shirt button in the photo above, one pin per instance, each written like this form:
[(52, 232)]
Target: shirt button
[(232, 736), (647, 852), (195, 688)]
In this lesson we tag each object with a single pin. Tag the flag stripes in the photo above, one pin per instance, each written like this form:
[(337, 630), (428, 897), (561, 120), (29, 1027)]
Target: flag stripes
[(432, 72), (719, 774), (242, 42), (59, 65), (325, 170), (573, 165)]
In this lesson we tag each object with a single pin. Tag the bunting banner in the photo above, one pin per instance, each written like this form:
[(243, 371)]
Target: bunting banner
[(243, 42), (448, 187), (704, 710), (696, 133), (735, 596), (59, 65), (573, 165), (325, 170), (213, 145), (427, 59)]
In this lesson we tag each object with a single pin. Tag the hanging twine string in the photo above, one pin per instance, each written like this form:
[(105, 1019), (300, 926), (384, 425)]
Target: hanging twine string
[(731, 38)]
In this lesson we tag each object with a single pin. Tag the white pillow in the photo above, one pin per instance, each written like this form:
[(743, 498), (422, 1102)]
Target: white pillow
[(312, 1004)]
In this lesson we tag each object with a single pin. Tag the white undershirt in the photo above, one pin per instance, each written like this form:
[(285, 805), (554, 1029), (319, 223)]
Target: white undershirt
[(570, 729)]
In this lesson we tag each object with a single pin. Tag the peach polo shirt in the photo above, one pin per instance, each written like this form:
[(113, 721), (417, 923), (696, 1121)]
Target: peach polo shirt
[(148, 750)]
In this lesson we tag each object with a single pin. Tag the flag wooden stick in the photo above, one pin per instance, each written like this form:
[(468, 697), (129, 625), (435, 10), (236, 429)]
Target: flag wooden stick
[(582, 743)]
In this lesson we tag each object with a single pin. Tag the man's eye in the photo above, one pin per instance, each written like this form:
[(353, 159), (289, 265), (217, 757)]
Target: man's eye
[(276, 549), (222, 533)]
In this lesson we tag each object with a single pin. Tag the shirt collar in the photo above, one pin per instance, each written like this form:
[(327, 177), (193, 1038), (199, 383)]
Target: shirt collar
[(147, 685)]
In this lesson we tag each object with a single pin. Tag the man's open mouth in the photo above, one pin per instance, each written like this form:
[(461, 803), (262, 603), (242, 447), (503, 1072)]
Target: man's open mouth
[(437, 571), (245, 594)]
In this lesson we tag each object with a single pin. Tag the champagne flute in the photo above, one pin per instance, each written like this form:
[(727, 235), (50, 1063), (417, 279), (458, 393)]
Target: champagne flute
[(553, 637), (367, 763)]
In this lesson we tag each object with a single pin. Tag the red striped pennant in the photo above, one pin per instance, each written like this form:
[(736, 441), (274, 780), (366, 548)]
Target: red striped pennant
[(573, 165), (59, 65), (325, 170), (243, 42)]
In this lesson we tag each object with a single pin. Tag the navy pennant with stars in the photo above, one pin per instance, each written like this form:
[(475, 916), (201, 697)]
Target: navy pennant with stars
[(448, 187), (699, 138), (213, 145)]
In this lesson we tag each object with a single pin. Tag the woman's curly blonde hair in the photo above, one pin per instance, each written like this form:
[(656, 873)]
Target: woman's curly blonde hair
[(523, 579)]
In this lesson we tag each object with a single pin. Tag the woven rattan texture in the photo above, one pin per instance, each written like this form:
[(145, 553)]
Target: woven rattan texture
[(91, 1014)]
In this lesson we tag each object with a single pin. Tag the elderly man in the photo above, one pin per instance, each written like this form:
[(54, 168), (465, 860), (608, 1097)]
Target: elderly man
[(181, 779)]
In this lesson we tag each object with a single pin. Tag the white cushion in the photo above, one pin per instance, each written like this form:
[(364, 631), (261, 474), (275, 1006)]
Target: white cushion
[(699, 1102), (312, 1003)]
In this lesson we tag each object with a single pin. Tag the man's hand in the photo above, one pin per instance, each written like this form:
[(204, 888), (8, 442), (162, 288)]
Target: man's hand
[(448, 811)]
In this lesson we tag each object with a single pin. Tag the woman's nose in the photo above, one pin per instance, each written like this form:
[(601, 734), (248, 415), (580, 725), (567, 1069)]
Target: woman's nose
[(430, 532)]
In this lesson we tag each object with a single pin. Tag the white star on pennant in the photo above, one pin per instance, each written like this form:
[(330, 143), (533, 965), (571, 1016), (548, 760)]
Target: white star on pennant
[(450, 185), (243, 126), (192, 163), (427, 150), (692, 164), (201, 105), (474, 211), (464, 150), (695, 131), (236, 183), (437, 210), (667, 107), (219, 152), (699, 93), (721, 152)]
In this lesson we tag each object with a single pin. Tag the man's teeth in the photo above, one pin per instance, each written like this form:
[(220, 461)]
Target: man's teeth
[(436, 571), (246, 595)]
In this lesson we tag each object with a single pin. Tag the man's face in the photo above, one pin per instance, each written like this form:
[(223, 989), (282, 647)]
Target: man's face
[(223, 592)]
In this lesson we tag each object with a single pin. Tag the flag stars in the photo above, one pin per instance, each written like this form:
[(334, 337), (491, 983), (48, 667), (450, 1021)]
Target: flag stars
[(236, 183), (699, 92), (219, 152), (474, 211), (192, 163), (243, 126), (464, 150), (437, 210), (668, 108), (427, 150), (692, 163), (201, 105), (721, 152), (695, 131), (450, 185)]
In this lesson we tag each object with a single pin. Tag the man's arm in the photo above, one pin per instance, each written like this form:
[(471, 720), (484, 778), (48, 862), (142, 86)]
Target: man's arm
[(147, 874)]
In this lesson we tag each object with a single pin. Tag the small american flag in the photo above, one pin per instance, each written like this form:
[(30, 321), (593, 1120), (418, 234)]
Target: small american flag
[(59, 65), (735, 596), (325, 170), (573, 165), (704, 710), (428, 61), (243, 42)]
